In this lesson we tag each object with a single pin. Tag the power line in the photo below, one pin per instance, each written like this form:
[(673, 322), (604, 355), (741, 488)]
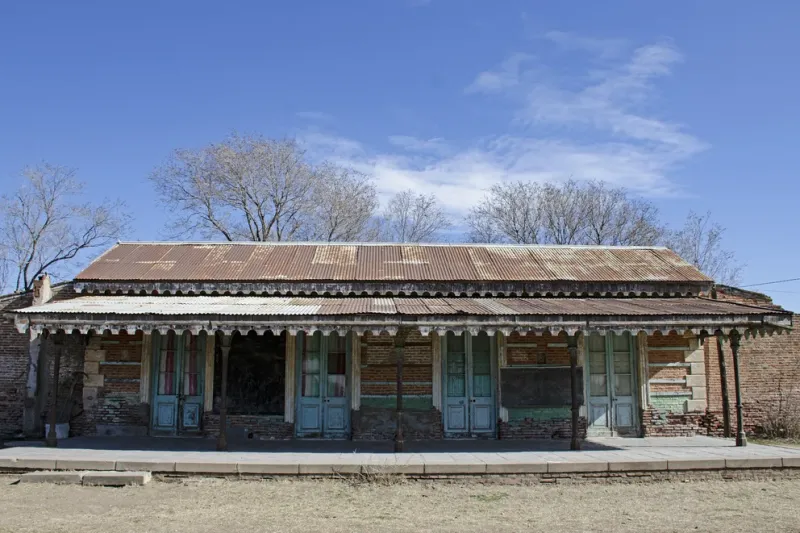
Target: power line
[(771, 282)]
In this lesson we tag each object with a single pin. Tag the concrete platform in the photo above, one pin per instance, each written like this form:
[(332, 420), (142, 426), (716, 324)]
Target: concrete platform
[(196, 457), (105, 479)]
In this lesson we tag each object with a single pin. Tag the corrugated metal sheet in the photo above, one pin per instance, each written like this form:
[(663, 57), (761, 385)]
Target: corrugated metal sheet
[(286, 306), (385, 262)]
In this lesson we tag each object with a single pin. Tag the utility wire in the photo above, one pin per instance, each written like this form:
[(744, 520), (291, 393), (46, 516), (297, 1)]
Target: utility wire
[(771, 282)]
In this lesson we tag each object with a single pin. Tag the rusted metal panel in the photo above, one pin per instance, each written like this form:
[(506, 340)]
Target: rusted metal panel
[(283, 306), (386, 262)]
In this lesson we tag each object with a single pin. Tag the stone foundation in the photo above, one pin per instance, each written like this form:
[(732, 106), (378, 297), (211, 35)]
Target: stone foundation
[(265, 427), (378, 423), (528, 428)]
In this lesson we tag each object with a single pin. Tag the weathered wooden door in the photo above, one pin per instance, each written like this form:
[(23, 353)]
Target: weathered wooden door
[(468, 388), (178, 382), (611, 384), (323, 403)]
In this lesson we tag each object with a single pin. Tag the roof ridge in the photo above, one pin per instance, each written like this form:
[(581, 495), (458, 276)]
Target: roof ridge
[(427, 244)]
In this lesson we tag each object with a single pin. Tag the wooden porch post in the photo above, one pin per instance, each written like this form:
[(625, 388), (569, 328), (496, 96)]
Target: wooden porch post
[(575, 443), (741, 437), (723, 381), (399, 353), (52, 440), (222, 438)]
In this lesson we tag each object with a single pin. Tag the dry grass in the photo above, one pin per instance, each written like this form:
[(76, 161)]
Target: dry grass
[(790, 443), (337, 505)]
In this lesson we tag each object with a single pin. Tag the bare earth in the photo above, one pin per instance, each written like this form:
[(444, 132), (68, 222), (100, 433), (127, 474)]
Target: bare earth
[(333, 506)]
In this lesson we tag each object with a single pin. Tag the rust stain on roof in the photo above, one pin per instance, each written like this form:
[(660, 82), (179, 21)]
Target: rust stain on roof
[(377, 262)]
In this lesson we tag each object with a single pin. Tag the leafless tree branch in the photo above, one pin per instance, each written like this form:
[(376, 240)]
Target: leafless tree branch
[(44, 228)]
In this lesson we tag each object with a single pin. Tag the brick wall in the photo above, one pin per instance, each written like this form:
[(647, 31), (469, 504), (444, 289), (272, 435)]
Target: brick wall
[(375, 420), (769, 369), (770, 376), (677, 403), (111, 400), (242, 427), (13, 368)]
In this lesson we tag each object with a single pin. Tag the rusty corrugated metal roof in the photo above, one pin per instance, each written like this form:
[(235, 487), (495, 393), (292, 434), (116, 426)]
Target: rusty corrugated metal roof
[(289, 306), (386, 262)]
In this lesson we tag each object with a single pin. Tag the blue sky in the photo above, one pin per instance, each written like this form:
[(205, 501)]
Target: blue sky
[(690, 104)]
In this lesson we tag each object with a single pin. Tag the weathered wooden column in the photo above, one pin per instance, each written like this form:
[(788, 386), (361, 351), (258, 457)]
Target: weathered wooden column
[(399, 354), (575, 443), (723, 381), (222, 438), (52, 439), (741, 437)]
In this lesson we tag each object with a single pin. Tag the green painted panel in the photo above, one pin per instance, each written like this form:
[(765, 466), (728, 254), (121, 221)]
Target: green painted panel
[(538, 413), (672, 404), (409, 402)]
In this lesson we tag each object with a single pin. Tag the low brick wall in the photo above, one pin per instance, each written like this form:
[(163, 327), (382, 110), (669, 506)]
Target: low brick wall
[(658, 423), (268, 427), (379, 423), (528, 428)]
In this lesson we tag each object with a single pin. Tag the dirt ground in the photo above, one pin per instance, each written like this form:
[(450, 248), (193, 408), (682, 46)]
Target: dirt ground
[(333, 506)]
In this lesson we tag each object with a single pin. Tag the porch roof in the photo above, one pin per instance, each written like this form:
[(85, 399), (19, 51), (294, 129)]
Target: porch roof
[(377, 314)]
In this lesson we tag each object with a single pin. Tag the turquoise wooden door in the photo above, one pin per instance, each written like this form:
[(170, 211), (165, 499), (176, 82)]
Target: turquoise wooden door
[(468, 373), (323, 403), (178, 382), (611, 384)]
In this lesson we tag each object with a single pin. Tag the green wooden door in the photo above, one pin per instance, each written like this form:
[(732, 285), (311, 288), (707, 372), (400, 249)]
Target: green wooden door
[(468, 375), (323, 391), (179, 363), (611, 384)]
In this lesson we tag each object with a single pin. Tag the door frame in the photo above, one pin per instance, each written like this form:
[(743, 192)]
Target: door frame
[(608, 344), (299, 348), (155, 370), (469, 432)]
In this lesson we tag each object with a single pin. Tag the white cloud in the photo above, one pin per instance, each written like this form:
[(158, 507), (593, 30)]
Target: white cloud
[(505, 76), (595, 129)]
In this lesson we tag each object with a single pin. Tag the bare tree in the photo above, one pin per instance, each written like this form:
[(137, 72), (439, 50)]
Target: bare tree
[(44, 227), (700, 243), (411, 217), (256, 189), (509, 212), (615, 218), (567, 213), (343, 204)]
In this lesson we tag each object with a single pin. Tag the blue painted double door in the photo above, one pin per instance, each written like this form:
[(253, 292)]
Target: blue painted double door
[(468, 385), (178, 382), (323, 387)]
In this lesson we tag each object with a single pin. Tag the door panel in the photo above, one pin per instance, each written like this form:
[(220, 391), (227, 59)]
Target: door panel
[(310, 401), (336, 406), (482, 417), (191, 397), (455, 363), (599, 401), (623, 389), (165, 401)]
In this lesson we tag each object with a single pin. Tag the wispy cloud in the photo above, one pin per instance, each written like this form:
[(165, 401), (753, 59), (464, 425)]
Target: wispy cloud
[(602, 48), (594, 125), (504, 77)]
